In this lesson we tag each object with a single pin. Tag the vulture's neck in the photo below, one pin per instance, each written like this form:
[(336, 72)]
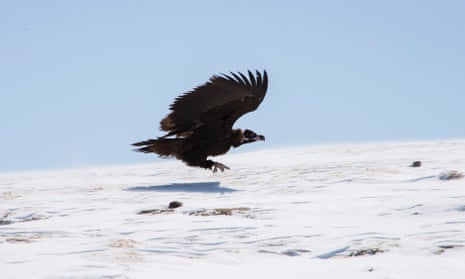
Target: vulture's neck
[(237, 137)]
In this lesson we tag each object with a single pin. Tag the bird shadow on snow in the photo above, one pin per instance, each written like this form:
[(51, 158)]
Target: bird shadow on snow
[(193, 187)]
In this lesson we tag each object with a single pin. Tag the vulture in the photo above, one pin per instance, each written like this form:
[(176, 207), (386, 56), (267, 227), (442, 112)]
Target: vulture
[(200, 122)]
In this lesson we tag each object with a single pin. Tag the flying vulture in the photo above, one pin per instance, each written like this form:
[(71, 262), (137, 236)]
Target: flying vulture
[(200, 123)]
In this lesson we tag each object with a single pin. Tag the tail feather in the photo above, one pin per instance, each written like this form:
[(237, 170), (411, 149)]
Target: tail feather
[(162, 147)]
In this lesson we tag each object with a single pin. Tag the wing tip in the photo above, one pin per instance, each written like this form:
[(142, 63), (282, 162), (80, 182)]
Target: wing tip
[(258, 79)]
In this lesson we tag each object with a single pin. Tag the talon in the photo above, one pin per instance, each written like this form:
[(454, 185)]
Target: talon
[(219, 166)]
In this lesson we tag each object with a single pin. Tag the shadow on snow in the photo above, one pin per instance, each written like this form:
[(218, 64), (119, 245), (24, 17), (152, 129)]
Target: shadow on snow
[(194, 187)]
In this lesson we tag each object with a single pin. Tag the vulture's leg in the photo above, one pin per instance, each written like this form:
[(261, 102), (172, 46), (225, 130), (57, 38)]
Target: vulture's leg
[(219, 166)]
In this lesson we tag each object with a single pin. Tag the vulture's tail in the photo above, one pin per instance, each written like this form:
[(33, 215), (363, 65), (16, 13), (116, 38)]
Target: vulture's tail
[(162, 147)]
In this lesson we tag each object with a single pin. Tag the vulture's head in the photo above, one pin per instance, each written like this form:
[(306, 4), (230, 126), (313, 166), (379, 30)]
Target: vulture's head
[(251, 136)]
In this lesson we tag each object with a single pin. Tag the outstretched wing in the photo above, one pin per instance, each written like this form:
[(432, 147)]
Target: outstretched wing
[(217, 103)]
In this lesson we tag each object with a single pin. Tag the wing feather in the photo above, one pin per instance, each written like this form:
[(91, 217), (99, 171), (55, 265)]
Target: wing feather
[(218, 103)]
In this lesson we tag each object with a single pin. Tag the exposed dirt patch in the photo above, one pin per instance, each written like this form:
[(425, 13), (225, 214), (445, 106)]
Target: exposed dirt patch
[(23, 238), (155, 211), (171, 206), (220, 211), (365, 252), (123, 243)]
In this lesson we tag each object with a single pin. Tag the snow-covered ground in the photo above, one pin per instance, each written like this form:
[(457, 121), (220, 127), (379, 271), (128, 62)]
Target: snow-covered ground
[(338, 211)]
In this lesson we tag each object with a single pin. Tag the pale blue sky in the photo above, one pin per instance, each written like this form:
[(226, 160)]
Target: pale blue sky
[(82, 80)]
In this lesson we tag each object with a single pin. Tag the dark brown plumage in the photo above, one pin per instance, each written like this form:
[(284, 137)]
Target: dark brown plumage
[(200, 123)]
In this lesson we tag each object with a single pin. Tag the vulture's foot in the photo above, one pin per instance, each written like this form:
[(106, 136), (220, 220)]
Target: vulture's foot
[(219, 166)]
